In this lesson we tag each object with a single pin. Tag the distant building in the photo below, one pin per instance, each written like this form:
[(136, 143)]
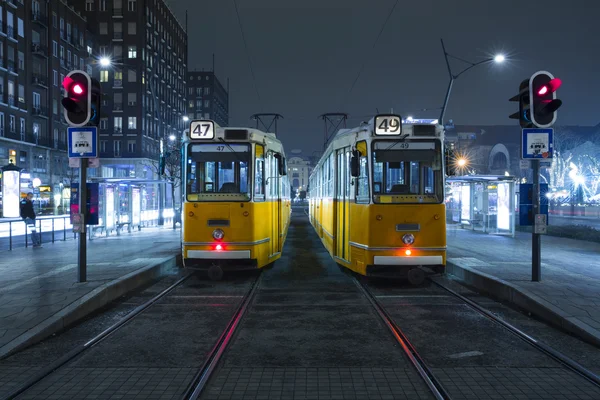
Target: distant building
[(207, 98), (299, 170)]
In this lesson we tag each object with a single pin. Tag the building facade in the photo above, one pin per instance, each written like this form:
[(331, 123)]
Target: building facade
[(299, 171), (40, 42), (207, 98), (145, 82)]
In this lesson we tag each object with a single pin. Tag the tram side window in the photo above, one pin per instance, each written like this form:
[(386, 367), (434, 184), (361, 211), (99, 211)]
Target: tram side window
[(259, 174), (362, 182)]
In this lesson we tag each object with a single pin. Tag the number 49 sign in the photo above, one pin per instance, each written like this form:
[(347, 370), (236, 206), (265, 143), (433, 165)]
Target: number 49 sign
[(202, 129), (388, 124)]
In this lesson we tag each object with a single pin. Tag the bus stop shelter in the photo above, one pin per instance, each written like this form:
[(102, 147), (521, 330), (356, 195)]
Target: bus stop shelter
[(485, 203)]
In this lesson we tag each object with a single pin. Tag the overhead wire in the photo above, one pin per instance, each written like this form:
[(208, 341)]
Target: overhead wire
[(372, 48), (247, 53)]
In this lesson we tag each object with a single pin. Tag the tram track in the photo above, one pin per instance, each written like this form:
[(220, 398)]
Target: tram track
[(196, 387), (80, 349), (426, 372)]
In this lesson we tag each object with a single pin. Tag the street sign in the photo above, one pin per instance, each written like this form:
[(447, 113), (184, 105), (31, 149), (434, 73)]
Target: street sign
[(83, 142), (537, 143)]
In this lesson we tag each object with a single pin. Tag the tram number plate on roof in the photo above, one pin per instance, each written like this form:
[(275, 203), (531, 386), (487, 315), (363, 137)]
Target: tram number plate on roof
[(388, 125), (201, 129), (219, 148), (405, 146)]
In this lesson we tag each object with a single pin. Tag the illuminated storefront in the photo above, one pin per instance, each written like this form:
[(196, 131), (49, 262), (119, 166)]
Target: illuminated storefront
[(484, 203)]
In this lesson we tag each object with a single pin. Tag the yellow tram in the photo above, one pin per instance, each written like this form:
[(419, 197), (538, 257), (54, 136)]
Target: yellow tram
[(236, 198), (376, 198)]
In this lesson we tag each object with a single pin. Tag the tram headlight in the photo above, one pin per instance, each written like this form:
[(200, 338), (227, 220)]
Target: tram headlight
[(408, 238), (218, 234)]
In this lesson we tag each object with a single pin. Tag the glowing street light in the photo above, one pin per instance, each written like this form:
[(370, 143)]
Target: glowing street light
[(105, 61), (186, 118), (172, 138), (498, 59), (461, 162)]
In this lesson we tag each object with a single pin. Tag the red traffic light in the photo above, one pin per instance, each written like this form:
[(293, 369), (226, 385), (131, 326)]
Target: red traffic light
[(551, 87), (543, 86), (77, 89)]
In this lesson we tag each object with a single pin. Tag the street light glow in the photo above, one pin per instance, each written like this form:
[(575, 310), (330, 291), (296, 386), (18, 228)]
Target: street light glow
[(461, 162), (186, 118), (172, 138), (499, 58), (105, 61)]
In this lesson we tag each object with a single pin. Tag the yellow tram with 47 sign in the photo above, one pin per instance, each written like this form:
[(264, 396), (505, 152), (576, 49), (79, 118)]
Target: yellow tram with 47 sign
[(236, 198), (376, 198)]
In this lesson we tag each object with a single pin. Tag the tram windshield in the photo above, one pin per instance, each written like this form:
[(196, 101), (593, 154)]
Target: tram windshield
[(217, 168), (409, 171)]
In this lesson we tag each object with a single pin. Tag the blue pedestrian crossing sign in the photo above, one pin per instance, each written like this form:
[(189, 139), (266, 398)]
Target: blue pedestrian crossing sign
[(83, 142), (537, 143)]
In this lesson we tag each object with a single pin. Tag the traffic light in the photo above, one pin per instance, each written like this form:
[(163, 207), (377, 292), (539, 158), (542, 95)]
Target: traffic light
[(543, 86), (524, 113), (95, 101), (78, 96)]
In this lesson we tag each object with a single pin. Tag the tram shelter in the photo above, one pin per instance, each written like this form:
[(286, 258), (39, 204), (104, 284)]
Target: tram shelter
[(127, 204), (485, 203)]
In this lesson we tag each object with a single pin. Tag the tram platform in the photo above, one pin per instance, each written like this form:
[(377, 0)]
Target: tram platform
[(40, 293), (568, 294)]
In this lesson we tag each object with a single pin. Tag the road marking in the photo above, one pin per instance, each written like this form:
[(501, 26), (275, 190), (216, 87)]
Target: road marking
[(466, 354)]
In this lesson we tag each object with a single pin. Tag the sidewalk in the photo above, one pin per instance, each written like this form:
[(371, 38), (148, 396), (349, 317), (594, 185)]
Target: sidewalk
[(39, 292), (568, 294)]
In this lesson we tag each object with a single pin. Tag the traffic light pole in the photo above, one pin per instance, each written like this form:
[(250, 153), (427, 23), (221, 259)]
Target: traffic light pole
[(82, 250), (536, 238)]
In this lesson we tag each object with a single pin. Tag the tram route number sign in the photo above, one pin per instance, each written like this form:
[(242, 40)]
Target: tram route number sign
[(388, 125), (202, 129)]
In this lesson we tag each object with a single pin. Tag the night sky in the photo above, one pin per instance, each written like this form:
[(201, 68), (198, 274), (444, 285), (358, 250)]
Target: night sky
[(306, 55)]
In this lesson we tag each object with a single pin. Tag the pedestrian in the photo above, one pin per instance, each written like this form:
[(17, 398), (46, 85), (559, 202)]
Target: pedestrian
[(28, 215)]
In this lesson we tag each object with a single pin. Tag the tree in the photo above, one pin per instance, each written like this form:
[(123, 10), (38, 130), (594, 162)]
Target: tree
[(169, 168)]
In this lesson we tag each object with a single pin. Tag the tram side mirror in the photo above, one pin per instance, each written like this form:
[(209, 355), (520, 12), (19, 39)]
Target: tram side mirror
[(354, 164)]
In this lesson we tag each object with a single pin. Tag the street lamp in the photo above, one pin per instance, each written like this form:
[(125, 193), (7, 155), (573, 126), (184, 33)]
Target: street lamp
[(498, 58), (172, 138), (186, 118)]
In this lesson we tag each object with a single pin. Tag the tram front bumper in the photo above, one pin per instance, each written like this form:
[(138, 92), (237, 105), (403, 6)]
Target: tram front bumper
[(219, 255), (408, 260)]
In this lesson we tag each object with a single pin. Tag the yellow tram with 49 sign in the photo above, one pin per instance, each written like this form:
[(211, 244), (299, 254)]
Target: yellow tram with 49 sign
[(376, 198), (236, 198)]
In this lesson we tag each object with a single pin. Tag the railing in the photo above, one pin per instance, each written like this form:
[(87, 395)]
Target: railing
[(14, 232), (38, 79), (38, 48), (117, 12), (39, 17), (118, 35), (40, 111)]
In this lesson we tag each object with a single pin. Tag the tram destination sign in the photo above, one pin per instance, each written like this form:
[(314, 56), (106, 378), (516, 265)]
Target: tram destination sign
[(387, 125)]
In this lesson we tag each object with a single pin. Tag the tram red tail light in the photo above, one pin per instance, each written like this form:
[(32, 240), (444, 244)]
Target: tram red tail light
[(408, 252), (218, 247)]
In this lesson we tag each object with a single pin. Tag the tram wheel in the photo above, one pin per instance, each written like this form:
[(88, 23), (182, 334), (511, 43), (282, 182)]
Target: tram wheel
[(416, 276), (215, 273)]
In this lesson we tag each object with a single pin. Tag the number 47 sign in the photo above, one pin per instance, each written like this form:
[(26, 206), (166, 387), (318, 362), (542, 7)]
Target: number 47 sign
[(202, 129), (388, 124)]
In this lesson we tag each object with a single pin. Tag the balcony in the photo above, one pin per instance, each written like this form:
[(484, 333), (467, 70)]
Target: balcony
[(40, 80), (39, 49), (39, 18), (117, 13), (117, 35), (39, 111), (118, 107)]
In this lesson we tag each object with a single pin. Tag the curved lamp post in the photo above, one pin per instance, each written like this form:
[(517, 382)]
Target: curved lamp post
[(498, 58)]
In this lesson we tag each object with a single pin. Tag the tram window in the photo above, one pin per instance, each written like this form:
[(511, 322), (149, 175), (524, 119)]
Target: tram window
[(404, 169), (218, 169), (362, 194)]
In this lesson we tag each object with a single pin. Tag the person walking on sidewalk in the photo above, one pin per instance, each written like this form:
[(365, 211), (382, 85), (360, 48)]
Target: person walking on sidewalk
[(28, 215)]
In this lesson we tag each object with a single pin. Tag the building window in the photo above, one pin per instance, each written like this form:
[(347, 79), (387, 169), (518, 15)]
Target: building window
[(103, 123), (102, 6), (117, 147), (89, 5), (132, 123), (11, 124), (131, 5), (131, 99), (206, 103), (54, 48), (131, 28), (22, 127), (36, 100), (131, 52), (103, 146), (21, 94), (118, 78), (118, 51), (20, 29), (131, 75), (55, 77), (206, 90), (21, 57), (118, 123), (62, 53), (104, 76), (103, 28), (131, 146), (54, 19), (54, 106)]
